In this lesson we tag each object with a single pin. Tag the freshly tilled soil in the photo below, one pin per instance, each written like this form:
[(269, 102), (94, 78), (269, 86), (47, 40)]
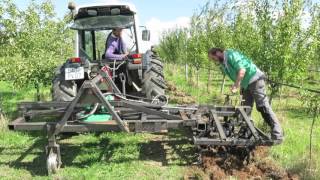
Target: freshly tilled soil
[(178, 96), (218, 166)]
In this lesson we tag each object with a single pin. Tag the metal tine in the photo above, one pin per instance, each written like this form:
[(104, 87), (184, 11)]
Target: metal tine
[(248, 122), (218, 124)]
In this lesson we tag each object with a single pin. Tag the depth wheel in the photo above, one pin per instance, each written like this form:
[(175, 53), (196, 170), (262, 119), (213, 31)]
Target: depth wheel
[(52, 163)]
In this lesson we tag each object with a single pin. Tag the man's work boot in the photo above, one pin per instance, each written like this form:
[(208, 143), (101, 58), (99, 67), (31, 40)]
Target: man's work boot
[(277, 137)]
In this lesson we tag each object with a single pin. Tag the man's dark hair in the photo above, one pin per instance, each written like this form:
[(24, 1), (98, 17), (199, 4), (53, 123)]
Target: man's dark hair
[(213, 51)]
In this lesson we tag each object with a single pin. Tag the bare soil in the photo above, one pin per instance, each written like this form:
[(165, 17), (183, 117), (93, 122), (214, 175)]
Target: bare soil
[(233, 164), (178, 96)]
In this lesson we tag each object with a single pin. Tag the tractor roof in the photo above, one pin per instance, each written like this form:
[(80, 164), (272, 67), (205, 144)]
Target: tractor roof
[(102, 16), (131, 6)]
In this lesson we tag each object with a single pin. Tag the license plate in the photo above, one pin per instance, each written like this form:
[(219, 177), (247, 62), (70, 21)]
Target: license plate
[(74, 73)]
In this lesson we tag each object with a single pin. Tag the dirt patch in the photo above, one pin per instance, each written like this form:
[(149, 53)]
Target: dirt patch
[(222, 165), (178, 96)]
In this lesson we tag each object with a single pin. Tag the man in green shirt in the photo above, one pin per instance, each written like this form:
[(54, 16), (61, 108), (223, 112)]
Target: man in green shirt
[(251, 80)]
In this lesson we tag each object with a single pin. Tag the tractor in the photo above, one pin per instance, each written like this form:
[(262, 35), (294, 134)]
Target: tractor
[(140, 74)]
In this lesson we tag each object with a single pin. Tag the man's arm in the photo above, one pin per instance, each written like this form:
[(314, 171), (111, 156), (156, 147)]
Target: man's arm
[(238, 62), (110, 53), (237, 83)]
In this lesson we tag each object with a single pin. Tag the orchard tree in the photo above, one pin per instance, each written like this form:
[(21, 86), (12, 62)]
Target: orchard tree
[(33, 43)]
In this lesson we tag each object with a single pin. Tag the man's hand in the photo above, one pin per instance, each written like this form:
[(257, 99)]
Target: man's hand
[(234, 88), (125, 56)]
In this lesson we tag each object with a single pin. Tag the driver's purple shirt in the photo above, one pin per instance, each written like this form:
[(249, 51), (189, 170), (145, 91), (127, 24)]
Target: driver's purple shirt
[(115, 48)]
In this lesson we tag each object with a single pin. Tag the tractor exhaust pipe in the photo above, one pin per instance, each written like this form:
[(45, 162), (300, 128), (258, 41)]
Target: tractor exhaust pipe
[(72, 8)]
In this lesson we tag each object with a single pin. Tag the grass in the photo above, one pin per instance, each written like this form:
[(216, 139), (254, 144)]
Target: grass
[(202, 93), (146, 156), (9, 96), (293, 154), (90, 156)]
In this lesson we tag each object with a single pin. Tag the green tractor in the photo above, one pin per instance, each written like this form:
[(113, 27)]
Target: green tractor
[(140, 74)]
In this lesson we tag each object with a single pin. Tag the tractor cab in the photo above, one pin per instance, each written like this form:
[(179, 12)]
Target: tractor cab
[(139, 74), (94, 24)]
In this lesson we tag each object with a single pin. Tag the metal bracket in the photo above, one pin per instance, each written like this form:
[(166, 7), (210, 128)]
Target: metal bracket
[(123, 81), (89, 86), (140, 73)]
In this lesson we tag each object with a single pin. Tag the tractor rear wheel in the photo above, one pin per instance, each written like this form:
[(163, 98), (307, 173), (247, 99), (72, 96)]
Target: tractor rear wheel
[(153, 81), (63, 90)]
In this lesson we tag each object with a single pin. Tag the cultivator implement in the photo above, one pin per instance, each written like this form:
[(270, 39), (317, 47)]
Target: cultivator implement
[(95, 111)]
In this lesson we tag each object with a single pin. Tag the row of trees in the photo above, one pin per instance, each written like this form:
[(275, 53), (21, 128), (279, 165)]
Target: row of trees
[(32, 42), (282, 37)]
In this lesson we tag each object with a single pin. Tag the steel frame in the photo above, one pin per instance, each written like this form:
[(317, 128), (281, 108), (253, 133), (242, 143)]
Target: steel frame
[(133, 116)]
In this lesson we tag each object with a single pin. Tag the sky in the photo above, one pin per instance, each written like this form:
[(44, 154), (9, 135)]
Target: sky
[(157, 15)]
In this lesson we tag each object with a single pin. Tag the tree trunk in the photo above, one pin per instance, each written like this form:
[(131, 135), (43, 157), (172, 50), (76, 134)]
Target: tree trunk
[(3, 122), (315, 115), (272, 95), (197, 78), (186, 72), (223, 84), (280, 93), (197, 84), (190, 78), (209, 80), (174, 68)]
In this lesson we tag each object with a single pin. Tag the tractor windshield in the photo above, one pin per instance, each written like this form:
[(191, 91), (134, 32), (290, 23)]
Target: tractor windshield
[(94, 24), (93, 43), (103, 22)]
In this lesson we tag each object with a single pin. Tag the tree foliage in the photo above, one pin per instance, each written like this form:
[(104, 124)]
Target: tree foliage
[(281, 37), (33, 42)]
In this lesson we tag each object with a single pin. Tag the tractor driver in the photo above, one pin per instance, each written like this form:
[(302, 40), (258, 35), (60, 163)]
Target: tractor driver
[(115, 47)]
